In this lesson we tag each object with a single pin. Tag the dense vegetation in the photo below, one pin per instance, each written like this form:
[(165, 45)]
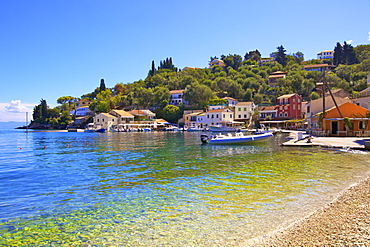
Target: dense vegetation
[(242, 78)]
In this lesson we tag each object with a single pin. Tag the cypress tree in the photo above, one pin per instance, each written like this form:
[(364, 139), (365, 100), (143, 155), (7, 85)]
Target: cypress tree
[(102, 85), (338, 54)]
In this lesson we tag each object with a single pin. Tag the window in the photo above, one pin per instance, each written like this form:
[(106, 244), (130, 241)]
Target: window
[(212, 116), (239, 116), (231, 115), (245, 109), (245, 115), (362, 125), (293, 107), (239, 109), (223, 116), (216, 115)]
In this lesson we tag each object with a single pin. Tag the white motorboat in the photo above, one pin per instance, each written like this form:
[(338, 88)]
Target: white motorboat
[(238, 138), (90, 128)]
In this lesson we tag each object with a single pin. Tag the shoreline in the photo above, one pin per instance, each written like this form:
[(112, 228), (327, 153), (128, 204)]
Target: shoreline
[(344, 221)]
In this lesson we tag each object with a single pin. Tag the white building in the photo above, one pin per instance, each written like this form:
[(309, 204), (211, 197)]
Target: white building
[(81, 111), (231, 102), (217, 117), (105, 120), (325, 55), (244, 111), (195, 120), (177, 97)]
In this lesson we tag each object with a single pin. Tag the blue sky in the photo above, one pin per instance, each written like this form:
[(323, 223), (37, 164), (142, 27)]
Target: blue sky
[(57, 48)]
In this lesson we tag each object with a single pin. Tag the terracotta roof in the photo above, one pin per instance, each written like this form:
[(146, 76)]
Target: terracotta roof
[(123, 113), (277, 76), (316, 66), (244, 103), (278, 73), (286, 96), (268, 108), (107, 115), (176, 91), (228, 98), (217, 110)]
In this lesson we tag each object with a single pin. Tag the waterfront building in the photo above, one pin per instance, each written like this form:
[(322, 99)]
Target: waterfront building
[(316, 106), (195, 120), (218, 116), (105, 120), (143, 115), (244, 111), (289, 106), (268, 111), (122, 116), (334, 123)]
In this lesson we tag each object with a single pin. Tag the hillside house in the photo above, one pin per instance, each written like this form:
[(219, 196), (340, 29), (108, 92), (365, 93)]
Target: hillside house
[(325, 55), (231, 102), (177, 97), (273, 77), (317, 67)]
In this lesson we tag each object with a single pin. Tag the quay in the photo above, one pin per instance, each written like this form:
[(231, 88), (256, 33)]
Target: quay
[(302, 140)]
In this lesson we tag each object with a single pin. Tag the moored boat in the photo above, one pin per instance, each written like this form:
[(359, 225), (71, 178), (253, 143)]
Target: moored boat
[(238, 138)]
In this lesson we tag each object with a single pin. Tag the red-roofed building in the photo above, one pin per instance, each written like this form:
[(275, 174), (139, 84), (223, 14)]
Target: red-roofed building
[(177, 97), (289, 106), (317, 67), (273, 77)]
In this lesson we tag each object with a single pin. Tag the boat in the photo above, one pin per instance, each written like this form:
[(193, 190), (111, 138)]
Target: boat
[(226, 127), (89, 128), (238, 138)]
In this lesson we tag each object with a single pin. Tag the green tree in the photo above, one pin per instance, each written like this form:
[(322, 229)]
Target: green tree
[(161, 94), (338, 54), (349, 56), (198, 94), (280, 56), (102, 85), (172, 113), (65, 118)]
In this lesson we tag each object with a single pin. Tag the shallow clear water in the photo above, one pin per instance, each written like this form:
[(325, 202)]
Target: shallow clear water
[(158, 189)]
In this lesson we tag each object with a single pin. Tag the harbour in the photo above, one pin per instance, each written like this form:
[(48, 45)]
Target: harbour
[(159, 188)]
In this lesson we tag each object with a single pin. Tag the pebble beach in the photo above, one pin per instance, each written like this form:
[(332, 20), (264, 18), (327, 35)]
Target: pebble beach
[(345, 221)]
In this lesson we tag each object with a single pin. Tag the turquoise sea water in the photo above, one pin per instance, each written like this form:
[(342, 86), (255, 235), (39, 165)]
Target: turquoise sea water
[(159, 188)]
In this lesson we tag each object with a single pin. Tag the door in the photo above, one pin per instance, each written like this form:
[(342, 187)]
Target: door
[(334, 127)]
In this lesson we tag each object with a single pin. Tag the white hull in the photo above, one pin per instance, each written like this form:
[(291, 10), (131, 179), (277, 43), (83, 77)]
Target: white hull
[(239, 138)]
